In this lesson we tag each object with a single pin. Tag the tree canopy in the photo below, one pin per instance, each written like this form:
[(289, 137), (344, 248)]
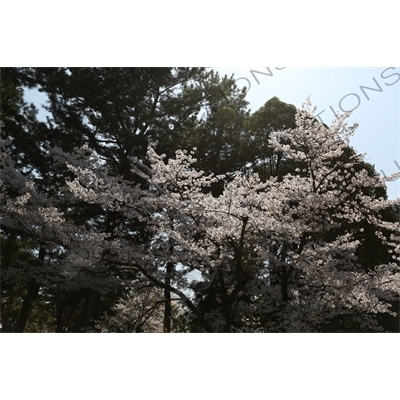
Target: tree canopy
[(153, 200)]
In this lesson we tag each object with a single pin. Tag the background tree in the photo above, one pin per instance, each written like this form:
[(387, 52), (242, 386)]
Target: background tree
[(273, 116), (18, 118)]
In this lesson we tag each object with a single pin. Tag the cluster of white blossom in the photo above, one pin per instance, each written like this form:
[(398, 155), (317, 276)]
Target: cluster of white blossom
[(281, 252)]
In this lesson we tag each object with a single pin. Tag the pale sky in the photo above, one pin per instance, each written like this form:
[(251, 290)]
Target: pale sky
[(376, 110)]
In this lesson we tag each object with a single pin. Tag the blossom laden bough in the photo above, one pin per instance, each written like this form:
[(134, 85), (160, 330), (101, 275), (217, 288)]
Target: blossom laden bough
[(282, 255)]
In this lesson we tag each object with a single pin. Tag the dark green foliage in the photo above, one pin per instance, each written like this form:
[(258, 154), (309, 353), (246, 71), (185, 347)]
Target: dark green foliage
[(274, 115)]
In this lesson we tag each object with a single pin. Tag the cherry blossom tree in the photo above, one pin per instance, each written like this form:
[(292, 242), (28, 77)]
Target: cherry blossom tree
[(284, 251), (279, 255)]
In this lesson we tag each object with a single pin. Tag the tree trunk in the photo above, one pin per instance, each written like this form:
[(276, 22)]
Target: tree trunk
[(31, 295), (90, 309), (167, 297)]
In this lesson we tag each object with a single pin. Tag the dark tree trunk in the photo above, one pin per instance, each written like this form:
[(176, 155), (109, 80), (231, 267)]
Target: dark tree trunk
[(90, 309), (284, 290), (31, 295), (167, 297)]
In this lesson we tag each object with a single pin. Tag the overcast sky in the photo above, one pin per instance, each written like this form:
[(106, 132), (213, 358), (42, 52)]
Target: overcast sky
[(376, 110)]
